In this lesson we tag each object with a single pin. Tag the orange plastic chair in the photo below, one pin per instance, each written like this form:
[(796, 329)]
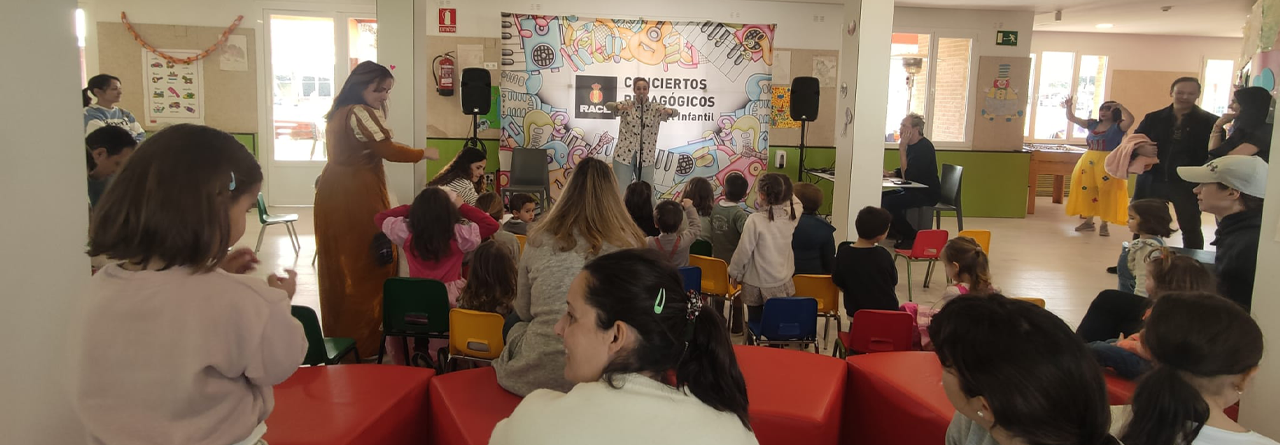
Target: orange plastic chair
[(1032, 300), (821, 288), (927, 249), (715, 278), (521, 239), (983, 237), (474, 336)]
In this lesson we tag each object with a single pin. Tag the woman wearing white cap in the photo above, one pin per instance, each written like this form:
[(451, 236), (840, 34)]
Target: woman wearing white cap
[(1232, 188)]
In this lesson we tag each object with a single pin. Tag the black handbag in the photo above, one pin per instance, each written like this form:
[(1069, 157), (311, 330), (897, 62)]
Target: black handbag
[(382, 249)]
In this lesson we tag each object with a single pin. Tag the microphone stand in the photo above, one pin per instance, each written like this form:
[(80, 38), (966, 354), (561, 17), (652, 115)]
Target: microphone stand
[(636, 164)]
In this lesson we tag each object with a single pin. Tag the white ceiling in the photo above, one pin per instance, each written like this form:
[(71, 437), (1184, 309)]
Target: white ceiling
[(1213, 18)]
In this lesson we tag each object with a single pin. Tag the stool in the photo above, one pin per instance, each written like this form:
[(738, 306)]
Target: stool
[(466, 405), (896, 398), (351, 404), (796, 397)]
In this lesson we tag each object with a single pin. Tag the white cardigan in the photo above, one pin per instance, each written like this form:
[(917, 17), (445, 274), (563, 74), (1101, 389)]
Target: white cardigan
[(764, 257), (642, 412)]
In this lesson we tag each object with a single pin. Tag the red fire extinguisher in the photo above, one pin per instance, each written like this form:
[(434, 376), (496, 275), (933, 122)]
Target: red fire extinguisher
[(443, 72)]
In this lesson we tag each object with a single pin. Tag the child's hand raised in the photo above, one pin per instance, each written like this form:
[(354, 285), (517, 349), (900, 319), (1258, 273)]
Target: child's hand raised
[(686, 203), (454, 197), (240, 261), (288, 284)]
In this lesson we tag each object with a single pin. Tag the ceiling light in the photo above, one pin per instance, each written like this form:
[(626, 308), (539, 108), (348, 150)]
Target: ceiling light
[(1104, 26)]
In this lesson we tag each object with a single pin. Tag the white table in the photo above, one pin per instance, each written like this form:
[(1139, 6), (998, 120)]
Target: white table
[(889, 184)]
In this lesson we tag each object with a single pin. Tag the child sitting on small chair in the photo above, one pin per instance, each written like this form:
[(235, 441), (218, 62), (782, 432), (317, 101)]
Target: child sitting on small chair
[(672, 243)]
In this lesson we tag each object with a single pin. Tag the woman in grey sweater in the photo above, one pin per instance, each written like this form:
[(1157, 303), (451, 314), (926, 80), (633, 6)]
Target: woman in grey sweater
[(587, 221)]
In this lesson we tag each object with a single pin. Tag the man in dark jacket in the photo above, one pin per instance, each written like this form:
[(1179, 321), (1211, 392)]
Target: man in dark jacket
[(919, 164), (1232, 188), (1181, 133)]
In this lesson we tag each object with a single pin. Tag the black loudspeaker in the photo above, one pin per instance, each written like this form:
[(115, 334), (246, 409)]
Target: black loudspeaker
[(476, 92), (804, 99)]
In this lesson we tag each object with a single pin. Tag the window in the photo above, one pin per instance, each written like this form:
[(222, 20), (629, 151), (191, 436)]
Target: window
[(80, 33), (1055, 85), (1090, 89), (908, 80), (1031, 87), (930, 76), (1217, 85)]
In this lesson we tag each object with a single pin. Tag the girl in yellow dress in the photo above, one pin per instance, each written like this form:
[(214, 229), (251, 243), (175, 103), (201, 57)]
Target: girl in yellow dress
[(1093, 191)]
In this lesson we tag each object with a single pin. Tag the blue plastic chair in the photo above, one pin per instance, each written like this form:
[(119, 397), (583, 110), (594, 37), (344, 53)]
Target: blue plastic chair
[(786, 321), (692, 278)]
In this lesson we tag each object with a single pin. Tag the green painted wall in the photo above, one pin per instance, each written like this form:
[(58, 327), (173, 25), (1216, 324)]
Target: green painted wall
[(995, 184), (250, 141), (450, 148)]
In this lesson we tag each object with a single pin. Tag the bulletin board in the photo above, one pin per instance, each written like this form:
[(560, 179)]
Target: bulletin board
[(822, 131), (1001, 115), (444, 113), (1143, 91), (232, 102)]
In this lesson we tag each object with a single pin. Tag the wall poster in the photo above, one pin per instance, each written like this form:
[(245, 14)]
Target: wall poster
[(174, 92)]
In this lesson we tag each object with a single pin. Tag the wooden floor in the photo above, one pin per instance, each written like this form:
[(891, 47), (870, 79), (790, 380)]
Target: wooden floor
[(1039, 256)]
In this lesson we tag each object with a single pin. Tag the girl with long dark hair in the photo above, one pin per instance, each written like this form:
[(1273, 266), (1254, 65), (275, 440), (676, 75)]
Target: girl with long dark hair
[(649, 364), (1250, 131), (1016, 374), (351, 190), (639, 202), (1206, 350), (464, 175), (103, 112)]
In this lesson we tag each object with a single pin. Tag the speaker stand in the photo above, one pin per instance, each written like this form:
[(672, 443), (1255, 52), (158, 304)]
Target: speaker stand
[(804, 171), (474, 141)]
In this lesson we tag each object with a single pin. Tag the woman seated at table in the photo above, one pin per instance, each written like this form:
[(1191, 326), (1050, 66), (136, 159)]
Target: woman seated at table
[(1017, 374), (650, 365)]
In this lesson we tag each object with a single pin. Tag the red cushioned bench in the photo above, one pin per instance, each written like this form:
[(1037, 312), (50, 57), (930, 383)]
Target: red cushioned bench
[(895, 398), (351, 404), (795, 397), (466, 405)]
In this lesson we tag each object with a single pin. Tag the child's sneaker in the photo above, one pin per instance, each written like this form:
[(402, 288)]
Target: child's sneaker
[(1086, 226), (1103, 231)]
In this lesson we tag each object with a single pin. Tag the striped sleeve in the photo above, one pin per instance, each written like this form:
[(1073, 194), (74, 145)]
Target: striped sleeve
[(367, 126)]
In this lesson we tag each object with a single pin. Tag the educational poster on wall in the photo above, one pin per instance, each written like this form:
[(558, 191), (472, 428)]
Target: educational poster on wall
[(174, 91), (781, 104), (1002, 102), (559, 71)]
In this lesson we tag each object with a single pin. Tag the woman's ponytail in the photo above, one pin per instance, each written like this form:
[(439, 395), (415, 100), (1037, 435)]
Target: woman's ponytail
[(1167, 410), (709, 367), (84, 96)]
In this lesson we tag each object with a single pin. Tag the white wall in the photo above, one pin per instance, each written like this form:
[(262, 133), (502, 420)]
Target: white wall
[(1141, 52), (1261, 401), (980, 24), (44, 234), (797, 25)]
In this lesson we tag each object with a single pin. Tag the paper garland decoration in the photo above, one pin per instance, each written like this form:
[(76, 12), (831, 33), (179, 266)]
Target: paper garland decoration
[(202, 54)]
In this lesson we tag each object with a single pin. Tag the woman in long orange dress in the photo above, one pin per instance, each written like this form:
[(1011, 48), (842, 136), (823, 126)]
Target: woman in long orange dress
[(351, 191)]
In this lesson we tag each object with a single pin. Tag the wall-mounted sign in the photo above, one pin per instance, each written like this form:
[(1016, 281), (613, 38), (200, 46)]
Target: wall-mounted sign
[(1007, 38), (448, 20)]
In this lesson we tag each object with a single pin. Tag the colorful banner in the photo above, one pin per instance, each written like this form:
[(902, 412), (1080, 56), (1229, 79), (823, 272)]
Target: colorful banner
[(559, 71)]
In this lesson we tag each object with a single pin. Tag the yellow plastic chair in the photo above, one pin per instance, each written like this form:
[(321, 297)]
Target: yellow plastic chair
[(474, 336), (983, 237), (521, 239), (821, 288), (715, 279), (1032, 300)]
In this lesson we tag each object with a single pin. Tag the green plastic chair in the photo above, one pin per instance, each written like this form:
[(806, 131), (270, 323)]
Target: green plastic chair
[(267, 219), (700, 247), (413, 308), (322, 350)]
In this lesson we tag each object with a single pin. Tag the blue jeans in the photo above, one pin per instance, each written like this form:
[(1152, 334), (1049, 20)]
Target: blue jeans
[(1127, 282), (1125, 363), (626, 175)]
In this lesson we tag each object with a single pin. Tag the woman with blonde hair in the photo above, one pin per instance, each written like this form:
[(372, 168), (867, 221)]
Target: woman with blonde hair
[(588, 220)]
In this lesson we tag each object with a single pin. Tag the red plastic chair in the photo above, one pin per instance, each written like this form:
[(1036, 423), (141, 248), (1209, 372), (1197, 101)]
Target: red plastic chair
[(875, 331), (927, 248)]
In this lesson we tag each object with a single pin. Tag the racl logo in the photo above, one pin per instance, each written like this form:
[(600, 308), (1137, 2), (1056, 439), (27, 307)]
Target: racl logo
[(590, 95)]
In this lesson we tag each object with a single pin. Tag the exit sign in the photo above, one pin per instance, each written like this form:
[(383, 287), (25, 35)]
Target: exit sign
[(448, 20), (1007, 38)]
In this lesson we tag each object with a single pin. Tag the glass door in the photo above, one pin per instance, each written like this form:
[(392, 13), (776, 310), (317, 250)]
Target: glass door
[(305, 76)]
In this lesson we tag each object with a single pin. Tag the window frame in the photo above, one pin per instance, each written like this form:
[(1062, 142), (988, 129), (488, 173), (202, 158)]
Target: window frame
[(935, 36), (1077, 61)]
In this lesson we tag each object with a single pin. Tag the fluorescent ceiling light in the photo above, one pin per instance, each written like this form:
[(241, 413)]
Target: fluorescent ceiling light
[(1105, 26)]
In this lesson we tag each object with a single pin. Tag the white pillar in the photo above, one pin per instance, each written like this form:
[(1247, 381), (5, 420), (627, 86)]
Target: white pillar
[(1261, 401), (46, 219), (398, 41), (864, 71)]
